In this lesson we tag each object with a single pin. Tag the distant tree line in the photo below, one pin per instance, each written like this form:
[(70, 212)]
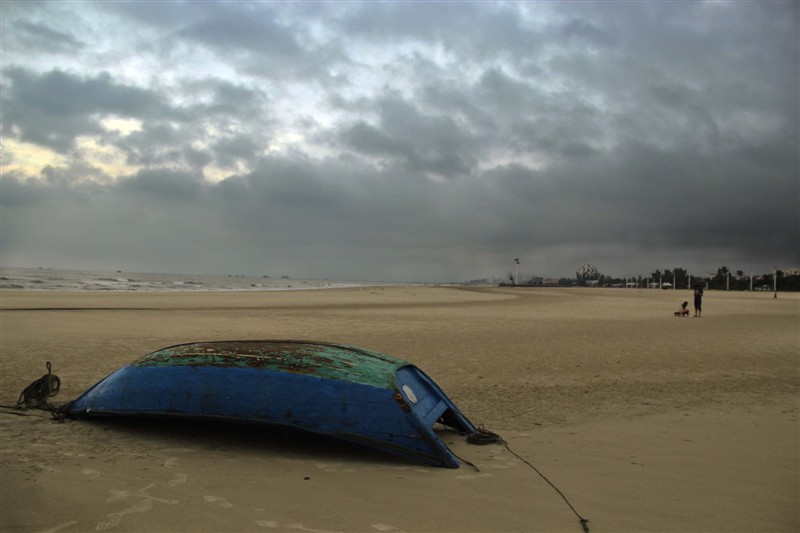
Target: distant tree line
[(680, 278)]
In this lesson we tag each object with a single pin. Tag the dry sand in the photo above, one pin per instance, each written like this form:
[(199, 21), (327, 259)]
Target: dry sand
[(645, 421)]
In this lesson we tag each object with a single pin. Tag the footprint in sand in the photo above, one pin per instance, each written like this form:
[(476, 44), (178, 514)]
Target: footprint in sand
[(473, 476), (61, 526), (502, 464), (178, 480), (114, 518), (383, 527), (286, 527), (171, 462), (144, 505), (216, 499), (334, 467), (118, 496), (88, 472)]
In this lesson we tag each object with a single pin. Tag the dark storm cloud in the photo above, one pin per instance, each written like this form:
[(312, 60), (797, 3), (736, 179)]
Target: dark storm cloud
[(424, 143), (19, 193), (156, 144), (54, 108), (410, 140), (164, 185), (236, 148), (61, 94)]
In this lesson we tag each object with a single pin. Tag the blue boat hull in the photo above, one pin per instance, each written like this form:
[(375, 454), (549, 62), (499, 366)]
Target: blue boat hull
[(397, 418)]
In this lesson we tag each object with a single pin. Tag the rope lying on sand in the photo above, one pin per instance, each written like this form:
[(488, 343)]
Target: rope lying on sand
[(484, 436), (37, 395)]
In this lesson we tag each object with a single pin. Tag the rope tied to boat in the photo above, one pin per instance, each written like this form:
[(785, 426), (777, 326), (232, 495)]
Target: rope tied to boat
[(483, 436)]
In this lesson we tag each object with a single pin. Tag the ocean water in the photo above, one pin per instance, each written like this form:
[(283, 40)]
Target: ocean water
[(50, 279)]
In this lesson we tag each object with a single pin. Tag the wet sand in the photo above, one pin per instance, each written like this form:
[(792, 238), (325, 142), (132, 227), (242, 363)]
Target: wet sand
[(646, 422)]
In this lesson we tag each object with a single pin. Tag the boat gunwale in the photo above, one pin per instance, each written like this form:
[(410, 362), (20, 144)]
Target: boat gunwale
[(361, 351)]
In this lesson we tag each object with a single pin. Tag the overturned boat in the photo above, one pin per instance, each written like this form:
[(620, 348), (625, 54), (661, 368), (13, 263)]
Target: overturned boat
[(332, 389)]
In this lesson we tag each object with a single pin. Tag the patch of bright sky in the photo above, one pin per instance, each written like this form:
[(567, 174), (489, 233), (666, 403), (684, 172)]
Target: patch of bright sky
[(284, 141), (123, 126), (533, 160), (28, 159), (214, 174), (103, 156)]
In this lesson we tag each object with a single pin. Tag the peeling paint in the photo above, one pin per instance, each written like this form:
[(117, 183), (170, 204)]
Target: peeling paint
[(323, 360)]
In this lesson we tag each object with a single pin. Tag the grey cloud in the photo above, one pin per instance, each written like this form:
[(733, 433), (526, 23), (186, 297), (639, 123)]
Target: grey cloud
[(588, 34), (17, 193), (196, 158), (401, 20), (53, 108), (252, 27), (167, 15), (370, 140), (264, 40), (286, 203), (225, 99), (64, 177), (459, 104), (505, 95), (229, 150), (164, 185), (625, 135), (40, 37), (156, 144), (62, 94), (470, 31), (426, 143), (301, 209)]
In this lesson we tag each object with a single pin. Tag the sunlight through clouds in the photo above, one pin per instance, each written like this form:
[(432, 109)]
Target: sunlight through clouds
[(28, 159)]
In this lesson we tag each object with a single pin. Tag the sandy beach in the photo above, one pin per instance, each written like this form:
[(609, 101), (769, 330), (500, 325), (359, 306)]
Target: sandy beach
[(645, 422)]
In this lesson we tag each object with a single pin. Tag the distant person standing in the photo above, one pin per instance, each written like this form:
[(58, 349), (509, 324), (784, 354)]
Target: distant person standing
[(698, 300)]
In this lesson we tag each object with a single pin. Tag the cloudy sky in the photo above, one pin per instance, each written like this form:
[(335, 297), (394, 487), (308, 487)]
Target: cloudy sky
[(400, 141)]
